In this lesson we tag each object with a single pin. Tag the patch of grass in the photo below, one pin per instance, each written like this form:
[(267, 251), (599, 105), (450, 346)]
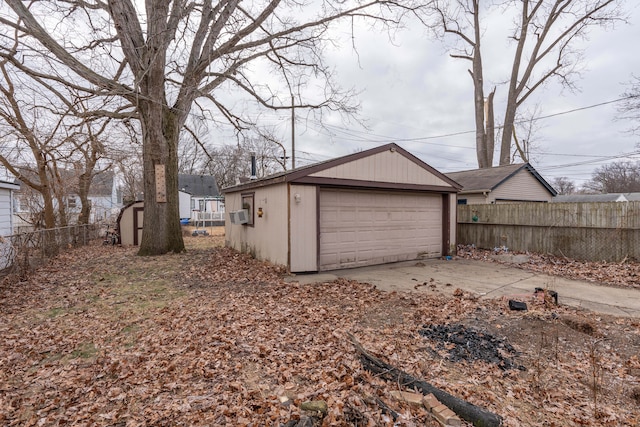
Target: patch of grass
[(55, 312), (129, 332), (86, 350)]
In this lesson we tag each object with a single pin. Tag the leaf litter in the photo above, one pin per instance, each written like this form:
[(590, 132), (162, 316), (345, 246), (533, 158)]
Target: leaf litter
[(213, 337)]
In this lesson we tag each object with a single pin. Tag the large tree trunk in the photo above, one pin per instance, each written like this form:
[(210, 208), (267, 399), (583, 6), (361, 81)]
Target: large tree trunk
[(508, 131), (84, 184), (514, 88), (47, 198), (490, 134), (484, 141), (161, 231)]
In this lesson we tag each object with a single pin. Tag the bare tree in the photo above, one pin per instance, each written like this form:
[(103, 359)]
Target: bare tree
[(563, 185), (29, 139), (52, 140), (231, 164), (630, 107), (616, 177), (544, 33), (167, 54), (461, 19), (545, 49)]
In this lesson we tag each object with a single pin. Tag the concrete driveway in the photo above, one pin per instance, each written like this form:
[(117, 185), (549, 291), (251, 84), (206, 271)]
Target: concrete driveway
[(486, 279)]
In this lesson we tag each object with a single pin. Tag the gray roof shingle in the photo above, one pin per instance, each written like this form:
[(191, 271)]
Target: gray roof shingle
[(488, 179), (198, 185)]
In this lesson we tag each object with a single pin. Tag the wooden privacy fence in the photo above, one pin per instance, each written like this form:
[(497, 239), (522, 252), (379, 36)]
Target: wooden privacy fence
[(587, 231)]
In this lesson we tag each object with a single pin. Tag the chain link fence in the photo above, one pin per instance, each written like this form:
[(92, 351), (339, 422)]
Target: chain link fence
[(20, 253)]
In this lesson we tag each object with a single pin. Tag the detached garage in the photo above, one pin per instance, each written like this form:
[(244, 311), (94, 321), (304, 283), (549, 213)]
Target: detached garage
[(377, 206)]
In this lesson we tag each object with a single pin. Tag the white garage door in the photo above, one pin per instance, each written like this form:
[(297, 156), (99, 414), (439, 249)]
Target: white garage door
[(368, 227)]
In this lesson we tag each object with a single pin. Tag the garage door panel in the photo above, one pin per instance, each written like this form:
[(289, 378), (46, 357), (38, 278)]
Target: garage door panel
[(367, 227)]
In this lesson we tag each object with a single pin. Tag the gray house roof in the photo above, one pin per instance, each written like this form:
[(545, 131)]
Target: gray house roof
[(198, 185), (577, 198), (102, 184), (488, 179)]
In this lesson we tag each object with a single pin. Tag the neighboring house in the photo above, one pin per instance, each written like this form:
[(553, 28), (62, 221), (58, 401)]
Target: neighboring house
[(104, 195), (105, 198), (6, 207), (502, 184), (199, 196), (376, 206), (586, 198)]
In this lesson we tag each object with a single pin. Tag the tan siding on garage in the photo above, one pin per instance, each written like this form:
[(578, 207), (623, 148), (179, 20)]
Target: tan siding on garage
[(522, 186), (360, 228), (267, 238), (304, 231), (386, 166)]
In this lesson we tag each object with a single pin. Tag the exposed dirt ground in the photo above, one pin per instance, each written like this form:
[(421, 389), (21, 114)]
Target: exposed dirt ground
[(212, 337)]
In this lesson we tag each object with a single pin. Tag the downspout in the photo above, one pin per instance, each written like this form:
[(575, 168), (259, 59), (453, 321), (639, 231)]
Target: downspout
[(11, 212), (289, 227)]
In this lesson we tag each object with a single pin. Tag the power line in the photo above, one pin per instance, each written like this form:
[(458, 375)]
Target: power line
[(385, 138)]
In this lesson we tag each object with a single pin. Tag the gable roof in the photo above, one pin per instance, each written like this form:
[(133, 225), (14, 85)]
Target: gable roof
[(299, 174), (198, 185), (101, 182), (488, 179)]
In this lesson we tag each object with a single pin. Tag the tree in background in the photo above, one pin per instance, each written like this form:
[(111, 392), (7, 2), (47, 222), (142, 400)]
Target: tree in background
[(52, 141), (158, 57), (616, 177), (630, 107), (544, 34), (563, 185)]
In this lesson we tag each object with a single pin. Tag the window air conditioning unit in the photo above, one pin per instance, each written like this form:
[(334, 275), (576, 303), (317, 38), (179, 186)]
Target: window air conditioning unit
[(239, 217)]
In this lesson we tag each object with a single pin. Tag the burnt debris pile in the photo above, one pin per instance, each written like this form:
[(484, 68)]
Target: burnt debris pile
[(464, 344)]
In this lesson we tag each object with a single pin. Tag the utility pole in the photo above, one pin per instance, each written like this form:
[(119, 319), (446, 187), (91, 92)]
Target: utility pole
[(293, 134)]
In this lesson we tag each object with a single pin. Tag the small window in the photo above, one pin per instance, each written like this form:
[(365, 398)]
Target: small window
[(462, 201), (71, 202), (247, 204)]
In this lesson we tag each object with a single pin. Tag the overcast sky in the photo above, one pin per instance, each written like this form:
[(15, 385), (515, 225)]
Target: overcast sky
[(414, 94)]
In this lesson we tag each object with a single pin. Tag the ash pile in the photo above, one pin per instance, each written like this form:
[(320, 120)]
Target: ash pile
[(464, 344)]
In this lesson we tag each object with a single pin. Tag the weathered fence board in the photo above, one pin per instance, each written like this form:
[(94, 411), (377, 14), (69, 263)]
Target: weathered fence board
[(588, 231)]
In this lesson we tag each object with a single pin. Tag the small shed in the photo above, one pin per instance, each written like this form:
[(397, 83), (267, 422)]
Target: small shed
[(373, 207), (502, 184), (130, 221)]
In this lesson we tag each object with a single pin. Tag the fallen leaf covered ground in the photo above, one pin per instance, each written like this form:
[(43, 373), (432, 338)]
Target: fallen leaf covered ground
[(212, 337)]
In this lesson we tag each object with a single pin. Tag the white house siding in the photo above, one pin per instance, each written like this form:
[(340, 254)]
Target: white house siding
[(184, 203), (474, 199), (521, 187), (266, 239), (387, 166), (5, 212), (304, 229), (360, 228)]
